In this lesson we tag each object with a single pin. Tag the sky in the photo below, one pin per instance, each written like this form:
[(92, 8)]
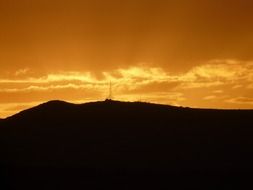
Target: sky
[(193, 53)]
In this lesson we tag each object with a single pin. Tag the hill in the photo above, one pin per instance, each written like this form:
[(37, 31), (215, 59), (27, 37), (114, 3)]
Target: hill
[(123, 145)]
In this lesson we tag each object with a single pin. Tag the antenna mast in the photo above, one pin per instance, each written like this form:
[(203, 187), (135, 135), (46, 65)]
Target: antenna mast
[(110, 91)]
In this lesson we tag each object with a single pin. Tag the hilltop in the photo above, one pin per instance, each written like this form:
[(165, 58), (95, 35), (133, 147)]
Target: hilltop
[(120, 144)]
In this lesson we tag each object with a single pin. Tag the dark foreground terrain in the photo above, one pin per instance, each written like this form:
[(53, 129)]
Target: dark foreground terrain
[(120, 145)]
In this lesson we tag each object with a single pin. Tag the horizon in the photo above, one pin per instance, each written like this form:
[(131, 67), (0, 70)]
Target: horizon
[(121, 101), (185, 53)]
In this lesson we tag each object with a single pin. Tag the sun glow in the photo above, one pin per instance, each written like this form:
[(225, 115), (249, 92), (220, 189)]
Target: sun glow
[(151, 84)]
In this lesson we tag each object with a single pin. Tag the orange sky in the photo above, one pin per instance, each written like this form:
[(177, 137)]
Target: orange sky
[(195, 53)]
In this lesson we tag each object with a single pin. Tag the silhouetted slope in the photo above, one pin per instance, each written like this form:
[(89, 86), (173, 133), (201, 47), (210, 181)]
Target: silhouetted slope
[(117, 144)]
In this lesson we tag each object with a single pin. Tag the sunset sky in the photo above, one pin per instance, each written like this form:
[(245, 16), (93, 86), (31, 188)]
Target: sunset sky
[(195, 53)]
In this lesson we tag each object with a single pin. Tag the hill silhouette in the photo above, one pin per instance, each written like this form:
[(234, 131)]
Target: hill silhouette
[(123, 145)]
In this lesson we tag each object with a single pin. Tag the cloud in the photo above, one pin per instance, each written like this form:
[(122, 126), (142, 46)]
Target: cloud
[(217, 73), (241, 100), (22, 71), (49, 87), (212, 73), (212, 80), (210, 97), (218, 91)]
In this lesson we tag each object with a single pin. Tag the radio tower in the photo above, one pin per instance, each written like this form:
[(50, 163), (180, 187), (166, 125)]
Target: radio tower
[(110, 91)]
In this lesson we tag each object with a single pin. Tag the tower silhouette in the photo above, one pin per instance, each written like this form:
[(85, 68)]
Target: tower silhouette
[(110, 91)]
